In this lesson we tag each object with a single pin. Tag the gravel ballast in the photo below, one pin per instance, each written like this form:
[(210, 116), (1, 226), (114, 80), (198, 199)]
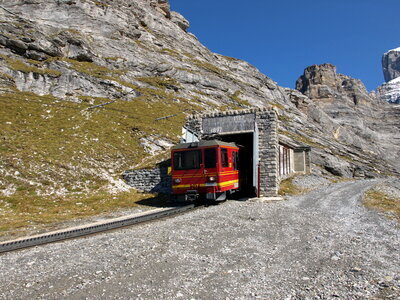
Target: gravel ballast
[(321, 245)]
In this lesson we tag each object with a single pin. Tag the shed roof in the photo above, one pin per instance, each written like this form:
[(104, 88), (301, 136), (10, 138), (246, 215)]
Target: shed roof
[(295, 145)]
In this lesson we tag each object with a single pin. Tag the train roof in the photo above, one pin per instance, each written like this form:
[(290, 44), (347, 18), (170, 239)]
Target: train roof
[(205, 143)]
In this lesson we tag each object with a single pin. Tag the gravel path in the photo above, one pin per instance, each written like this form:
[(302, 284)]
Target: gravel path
[(322, 245)]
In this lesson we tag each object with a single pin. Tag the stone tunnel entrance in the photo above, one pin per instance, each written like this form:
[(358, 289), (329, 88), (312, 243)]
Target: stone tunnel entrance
[(265, 158), (255, 132), (247, 168)]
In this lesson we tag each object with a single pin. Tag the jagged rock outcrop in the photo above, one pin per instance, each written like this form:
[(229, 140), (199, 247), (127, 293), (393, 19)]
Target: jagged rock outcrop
[(391, 64), (390, 90), (323, 83), (85, 83), (162, 6), (180, 20), (362, 120)]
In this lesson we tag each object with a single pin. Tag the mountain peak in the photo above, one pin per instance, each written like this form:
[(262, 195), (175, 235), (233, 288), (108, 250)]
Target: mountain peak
[(390, 90), (394, 50), (391, 64)]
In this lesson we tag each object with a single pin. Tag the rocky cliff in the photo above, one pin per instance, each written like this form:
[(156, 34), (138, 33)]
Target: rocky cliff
[(90, 89), (390, 90), (391, 64), (356, 118)]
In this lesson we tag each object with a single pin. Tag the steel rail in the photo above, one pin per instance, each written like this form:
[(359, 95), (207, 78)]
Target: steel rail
[(92, 228)]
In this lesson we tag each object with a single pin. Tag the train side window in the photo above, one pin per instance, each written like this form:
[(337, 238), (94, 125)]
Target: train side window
[(224, 158), (210, 158), (187, 160), (235, 157)]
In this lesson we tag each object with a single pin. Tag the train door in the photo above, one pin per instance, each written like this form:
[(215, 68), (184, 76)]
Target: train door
[(229, 169), (210, 164)]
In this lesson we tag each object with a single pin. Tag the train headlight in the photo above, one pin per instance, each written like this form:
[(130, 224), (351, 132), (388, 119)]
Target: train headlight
[(177, 180), (211, 179)]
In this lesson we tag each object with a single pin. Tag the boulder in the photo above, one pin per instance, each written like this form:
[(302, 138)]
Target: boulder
[(338, 167)]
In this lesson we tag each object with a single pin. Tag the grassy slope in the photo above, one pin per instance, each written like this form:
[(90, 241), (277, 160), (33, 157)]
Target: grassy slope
[(55, 153)]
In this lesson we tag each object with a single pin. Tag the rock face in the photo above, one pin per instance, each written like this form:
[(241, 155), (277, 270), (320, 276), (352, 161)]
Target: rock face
[(84, 83), (355, 117), (390, 90), (323, 83), (391, 64)]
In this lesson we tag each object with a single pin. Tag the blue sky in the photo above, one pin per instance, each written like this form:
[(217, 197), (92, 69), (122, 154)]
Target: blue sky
[(281, 38)]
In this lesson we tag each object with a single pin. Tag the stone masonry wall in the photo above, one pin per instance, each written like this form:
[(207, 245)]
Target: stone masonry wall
[(150, 180), (194, 124), (268, 152), (266, 120)]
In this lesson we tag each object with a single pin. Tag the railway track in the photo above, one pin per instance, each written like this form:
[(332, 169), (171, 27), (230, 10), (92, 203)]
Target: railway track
[(92, 228)]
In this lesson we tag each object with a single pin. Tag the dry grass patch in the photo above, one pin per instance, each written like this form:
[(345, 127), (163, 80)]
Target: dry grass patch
[(236, 97), (288, 188), (382, 202), (338, 179), (20, 216), (33, 67)]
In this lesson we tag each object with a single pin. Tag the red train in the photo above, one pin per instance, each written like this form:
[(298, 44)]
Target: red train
[(206, 169)]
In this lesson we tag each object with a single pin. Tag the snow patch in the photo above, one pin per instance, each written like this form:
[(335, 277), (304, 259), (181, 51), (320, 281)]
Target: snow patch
[(396, 80), (390, 91), (394, 50)]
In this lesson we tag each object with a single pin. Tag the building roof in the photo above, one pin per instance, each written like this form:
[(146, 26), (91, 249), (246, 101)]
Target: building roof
[(216, 114), (295, 145), (203, 143)]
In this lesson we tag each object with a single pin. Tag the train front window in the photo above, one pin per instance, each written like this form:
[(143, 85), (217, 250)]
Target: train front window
[(187, 160), (210, 158), (224, 158)]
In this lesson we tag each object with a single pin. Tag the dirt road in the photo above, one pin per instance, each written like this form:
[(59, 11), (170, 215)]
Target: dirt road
[(322, 245)]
